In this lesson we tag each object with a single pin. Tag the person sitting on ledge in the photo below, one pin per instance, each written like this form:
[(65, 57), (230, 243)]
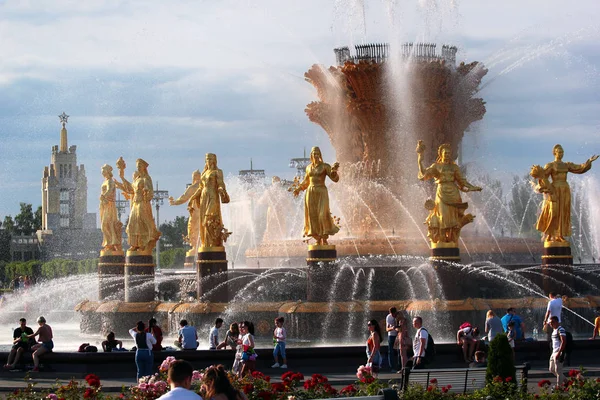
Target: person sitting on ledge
[(45, 344), (480, 360), (21, 344), (187, 338), (111, 343), (466, 337)]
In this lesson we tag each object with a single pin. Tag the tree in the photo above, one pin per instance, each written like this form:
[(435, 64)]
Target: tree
[(38, 218), (25, 223), (173, 232), (9, 225)]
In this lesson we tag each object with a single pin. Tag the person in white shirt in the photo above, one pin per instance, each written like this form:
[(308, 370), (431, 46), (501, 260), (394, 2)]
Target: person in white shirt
[(144, 358), (213, 337), (179, 377), (392, 331), (559, 342), (554, 309), (279, 336), (419, 344)]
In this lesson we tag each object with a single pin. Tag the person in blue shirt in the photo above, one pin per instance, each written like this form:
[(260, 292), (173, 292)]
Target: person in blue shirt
[(187, 338), (511, 315)]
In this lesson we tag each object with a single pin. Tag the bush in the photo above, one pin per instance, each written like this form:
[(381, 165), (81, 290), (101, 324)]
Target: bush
[(500, 362)]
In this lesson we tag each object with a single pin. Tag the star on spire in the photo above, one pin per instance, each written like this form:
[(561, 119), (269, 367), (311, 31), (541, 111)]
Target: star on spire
[(63, 118)]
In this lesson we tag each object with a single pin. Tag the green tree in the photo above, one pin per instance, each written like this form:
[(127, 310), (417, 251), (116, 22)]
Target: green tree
[(9, 225), (173, 232), (25, 220), (38, 218), (500, 361), (5, 245), (172, 258)]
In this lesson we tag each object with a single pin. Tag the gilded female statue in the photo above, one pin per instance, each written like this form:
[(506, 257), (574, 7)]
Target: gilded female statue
[(447, 215), (193, 226), (109, 221), (207, 200), (142, 234), (555, 218), (318, 222)]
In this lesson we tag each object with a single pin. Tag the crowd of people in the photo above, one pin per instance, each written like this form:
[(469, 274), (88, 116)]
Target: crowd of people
[(405, 349)]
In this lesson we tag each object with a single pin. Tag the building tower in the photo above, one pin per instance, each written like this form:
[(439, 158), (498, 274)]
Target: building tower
[(64, 202)]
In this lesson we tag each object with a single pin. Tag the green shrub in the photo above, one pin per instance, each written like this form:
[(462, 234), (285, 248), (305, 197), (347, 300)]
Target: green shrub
[(500, 361)]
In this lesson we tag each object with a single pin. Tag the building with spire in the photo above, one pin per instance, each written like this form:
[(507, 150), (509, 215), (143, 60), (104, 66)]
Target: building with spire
[(68, 230)]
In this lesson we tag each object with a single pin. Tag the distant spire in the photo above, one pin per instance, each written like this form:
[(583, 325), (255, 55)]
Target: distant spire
[(63, 132)]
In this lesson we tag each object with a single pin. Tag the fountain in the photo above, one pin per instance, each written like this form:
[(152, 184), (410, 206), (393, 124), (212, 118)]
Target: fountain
[(381, 255)]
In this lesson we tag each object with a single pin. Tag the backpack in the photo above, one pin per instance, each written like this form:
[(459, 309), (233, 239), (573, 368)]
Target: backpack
[(465, 325), (430, 349), (570, 343)]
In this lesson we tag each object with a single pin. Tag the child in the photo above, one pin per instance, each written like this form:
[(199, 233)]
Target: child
[(279, 342), (213, 338), (511, 335)]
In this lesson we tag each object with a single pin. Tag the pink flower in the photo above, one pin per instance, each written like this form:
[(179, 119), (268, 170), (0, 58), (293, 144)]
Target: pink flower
[(197, 376), (52, 396), (143, 386)]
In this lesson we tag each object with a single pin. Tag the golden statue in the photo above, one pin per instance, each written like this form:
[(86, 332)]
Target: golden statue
[(318, 221), (555, 218), (193, 226), (207, 201), (447, 213), (142, 234), (109, 221)]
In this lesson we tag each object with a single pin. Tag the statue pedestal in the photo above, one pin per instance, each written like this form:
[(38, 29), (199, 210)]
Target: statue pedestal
[(139, 277), (557, 253), (111, 269), (190, 260), (444, 251), (320, 272), (211, 271)]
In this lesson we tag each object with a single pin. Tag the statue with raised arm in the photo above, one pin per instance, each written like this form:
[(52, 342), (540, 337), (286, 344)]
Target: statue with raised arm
[(142, 234), (447, 212), (554, 220), (193, 226), (318, 221), (207, 199), (109, 221)]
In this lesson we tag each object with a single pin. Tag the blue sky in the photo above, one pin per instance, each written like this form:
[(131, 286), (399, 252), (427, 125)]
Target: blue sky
[(171, 81)]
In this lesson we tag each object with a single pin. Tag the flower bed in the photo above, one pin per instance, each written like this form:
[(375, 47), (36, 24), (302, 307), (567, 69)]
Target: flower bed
[(295, 386)]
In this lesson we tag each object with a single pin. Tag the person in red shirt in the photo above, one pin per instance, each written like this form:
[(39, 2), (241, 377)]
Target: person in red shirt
[(155, 330)]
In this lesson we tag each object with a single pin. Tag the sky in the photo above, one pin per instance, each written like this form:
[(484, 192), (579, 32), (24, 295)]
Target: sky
[(171, 81)]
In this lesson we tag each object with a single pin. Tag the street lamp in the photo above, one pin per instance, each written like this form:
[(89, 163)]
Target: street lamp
[(158, 200)]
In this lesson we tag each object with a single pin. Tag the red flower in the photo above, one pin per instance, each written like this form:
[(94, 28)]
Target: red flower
[(508, 379), (544, 382), (573, 373), (309, 384), (350, 389), (367, 379), (278, 387), (497, 379), (263, 394), (89, 393), (433, 381), (248, 388), (444, 389), (429, 388), (258, 375), (449, 386), (319, 378)]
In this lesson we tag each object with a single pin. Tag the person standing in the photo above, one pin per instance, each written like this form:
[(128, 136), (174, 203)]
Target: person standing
[(554, 309), (279, 337), (21, 343), (493, 325), (391, 327), (213, 337), (403, 341), (559, 342), (144, 357), (155, 330), (179, 377), (373, 346), (247, 342), (187, 338), (419, 344), (45, 344)]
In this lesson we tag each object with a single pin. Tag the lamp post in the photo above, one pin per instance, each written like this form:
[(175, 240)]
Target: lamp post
[(158, 200)]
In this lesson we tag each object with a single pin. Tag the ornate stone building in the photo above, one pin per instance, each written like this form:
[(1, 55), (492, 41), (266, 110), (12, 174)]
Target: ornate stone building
[(68, 230)]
